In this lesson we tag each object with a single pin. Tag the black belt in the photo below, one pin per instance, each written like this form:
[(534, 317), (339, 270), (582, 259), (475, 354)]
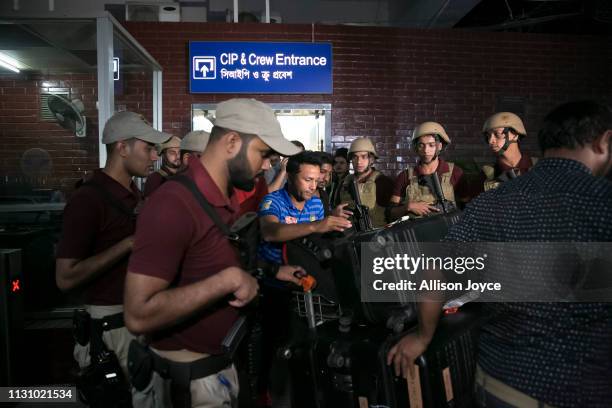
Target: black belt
[(110, 322), (183, 373)]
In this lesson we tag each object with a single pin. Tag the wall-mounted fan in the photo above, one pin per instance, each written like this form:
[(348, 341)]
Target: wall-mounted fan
[(69, 113)]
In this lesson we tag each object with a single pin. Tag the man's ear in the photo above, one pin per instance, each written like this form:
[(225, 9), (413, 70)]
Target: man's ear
[(601, 144), (123, 148), (233, 143)]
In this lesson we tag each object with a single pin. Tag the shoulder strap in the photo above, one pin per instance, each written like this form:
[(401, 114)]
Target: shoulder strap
[(197, 194), (451, 166), (108, 197)]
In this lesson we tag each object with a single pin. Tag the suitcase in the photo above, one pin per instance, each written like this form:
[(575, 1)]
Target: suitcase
[(343, 364), (335, 261)]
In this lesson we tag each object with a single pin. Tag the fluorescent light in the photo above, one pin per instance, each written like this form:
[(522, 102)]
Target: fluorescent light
[(9, 63)]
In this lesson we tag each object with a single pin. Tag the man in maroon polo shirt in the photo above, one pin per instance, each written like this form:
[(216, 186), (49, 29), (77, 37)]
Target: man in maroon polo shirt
[(184, 285), (413, 191), (99, 223), (170, 154)]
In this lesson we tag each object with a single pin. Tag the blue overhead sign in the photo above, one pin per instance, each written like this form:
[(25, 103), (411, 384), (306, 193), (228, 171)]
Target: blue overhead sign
[(256, 67)]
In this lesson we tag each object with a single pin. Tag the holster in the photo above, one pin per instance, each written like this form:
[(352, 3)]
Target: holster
[(140, 365), (81, 321)]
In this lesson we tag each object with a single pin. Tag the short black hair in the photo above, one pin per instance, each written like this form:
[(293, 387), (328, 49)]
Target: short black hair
[(342, 152), (299, 144), (326, 158), (305, 157), (574, 124)]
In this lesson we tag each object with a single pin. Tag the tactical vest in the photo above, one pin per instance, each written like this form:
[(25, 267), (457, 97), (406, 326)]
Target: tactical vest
[(367, 194), (417, 192), (491, 181)]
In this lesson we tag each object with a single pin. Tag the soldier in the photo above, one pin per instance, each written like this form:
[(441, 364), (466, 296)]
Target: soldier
[(374, 187), (529, 352), (413, 192), (502, 132), (192, 145), (184, 284), (171, 162), (97, 235)]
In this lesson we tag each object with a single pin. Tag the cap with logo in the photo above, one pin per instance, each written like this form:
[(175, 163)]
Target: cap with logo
[(129, 125), (256, 118), (195, 141)]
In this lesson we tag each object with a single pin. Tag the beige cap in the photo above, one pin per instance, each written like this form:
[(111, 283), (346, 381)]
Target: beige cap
[(169, 144), (195, 141), (256, 118), (430, 128), (129, 125)]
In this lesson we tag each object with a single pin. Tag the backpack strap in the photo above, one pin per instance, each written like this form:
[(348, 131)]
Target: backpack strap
[(190, 185)]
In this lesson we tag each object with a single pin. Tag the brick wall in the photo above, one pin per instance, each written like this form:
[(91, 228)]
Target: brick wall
[(22, 128), (386, 80)]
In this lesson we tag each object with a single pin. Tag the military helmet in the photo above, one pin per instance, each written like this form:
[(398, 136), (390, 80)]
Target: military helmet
[(505, 120), (430, 128), (362, 144), (170, 143)]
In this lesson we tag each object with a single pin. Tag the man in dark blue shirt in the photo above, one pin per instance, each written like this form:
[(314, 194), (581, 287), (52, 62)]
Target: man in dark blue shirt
[(542, 354)]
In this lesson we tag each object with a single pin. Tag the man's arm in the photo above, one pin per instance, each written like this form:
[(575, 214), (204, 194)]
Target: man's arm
[(396, 210), (272, 230), (71, 273), (151, 306), (411, 346), (281, 177)]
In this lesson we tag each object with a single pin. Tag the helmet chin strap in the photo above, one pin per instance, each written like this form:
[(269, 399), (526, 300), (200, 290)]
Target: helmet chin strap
[(507, 143)]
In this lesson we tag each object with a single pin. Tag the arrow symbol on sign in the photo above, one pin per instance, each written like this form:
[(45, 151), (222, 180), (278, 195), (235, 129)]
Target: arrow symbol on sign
[(204, 69)]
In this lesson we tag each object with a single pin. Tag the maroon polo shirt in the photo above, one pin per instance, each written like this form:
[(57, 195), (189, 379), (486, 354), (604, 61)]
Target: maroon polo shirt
[(402, 180), (154, 180), (177, 242), (91, 224)]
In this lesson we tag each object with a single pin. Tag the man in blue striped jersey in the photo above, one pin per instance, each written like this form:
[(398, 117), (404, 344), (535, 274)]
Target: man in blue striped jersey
[(294, 211)]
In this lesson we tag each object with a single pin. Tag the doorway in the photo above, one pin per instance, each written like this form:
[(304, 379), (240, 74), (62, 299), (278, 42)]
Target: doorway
[(309, 124)]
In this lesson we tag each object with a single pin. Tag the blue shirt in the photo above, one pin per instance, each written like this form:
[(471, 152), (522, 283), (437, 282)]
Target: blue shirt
[(279, 204), (558, 353)]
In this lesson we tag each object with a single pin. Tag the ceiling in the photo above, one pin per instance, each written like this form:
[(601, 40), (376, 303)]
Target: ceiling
[(57, 47)]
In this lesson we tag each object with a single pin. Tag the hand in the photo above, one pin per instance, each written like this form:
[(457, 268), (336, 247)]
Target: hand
[(403, 354), (243, 286), (129, 243), (420, 208), (332, 223), (340, 211), (290, 273), (283, 164)]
